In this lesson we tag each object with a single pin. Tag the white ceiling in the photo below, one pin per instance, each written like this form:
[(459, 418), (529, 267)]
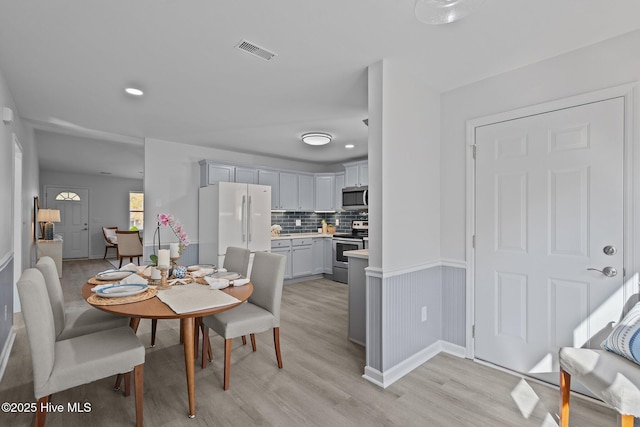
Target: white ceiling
[(67, 62)]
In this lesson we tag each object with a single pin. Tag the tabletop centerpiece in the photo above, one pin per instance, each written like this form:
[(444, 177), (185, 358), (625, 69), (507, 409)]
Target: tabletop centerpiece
[(166, 260)]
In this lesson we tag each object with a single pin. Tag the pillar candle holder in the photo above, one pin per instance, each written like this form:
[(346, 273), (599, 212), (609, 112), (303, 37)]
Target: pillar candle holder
[(163, 278)]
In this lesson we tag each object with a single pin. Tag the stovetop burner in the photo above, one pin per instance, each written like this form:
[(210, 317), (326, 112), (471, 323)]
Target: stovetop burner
[(359, 230)]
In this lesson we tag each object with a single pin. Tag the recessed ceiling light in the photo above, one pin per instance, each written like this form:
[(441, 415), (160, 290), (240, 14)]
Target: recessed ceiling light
[(134, 91), (316, 138), (349, 146)]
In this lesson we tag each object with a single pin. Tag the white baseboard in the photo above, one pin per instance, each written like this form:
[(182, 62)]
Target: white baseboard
[(6, 351), (385, 379)]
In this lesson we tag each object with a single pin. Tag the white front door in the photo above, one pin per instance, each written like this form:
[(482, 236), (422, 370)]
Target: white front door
[(73, 204), (549, 200)]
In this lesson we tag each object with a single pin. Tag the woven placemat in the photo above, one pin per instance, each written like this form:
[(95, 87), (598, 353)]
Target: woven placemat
[(98, 300), (96, 281)]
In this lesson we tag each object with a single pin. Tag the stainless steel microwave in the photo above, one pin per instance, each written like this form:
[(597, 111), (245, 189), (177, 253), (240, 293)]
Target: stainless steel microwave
[(355, 198)]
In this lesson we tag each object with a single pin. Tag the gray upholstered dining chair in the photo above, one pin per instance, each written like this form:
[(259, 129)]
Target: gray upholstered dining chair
[(610, 377), (129, 245), (260, 313), (72, 320), (61, 365), (237, 260)]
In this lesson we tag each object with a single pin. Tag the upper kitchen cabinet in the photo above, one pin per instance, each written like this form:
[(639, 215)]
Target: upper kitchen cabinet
[(288, 191), (356, 174), (271, 178), (296, 192), (211, 173), (325, 192), (306, 192), (339, 185), (246, 175)]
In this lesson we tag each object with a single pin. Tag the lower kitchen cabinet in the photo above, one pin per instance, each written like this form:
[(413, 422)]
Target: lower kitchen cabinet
[(283, 247), (328, 256), (318, 255), (301, 257), (308, 256)]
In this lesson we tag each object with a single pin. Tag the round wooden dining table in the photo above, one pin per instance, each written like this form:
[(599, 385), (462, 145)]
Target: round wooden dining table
[(154, 308)]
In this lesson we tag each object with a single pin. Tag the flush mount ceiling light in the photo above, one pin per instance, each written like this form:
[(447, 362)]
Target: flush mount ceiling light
[(316, 138), (134, 91), (438, 12)]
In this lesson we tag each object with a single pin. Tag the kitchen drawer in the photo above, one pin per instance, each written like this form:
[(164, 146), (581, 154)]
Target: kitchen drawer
[(286, 243), (301, 242)]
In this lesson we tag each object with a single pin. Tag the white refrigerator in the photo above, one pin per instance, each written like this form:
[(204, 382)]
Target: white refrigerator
[(233, 214)]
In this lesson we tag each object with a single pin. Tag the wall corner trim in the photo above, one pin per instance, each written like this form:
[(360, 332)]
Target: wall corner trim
[(385, 274), (385, 379), (6, 351)]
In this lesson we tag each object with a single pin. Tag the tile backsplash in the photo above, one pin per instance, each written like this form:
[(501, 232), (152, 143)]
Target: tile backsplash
[(311, 221)]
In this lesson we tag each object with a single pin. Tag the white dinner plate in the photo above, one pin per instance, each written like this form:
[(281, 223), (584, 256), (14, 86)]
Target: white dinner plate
[(118, 290), (229, 275), (114, 274)]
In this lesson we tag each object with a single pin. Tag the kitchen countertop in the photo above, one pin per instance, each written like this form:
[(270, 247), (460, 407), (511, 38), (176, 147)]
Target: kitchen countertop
[(300, 236), (360, 253)]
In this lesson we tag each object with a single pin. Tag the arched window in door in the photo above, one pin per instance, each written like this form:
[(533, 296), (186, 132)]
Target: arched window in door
[(68, 195)]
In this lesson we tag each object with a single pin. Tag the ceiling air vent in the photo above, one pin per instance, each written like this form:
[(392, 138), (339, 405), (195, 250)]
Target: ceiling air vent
[(255, 50)]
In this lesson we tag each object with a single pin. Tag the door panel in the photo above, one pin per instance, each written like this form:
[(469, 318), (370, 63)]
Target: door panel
[(74, 220), (549, 197)]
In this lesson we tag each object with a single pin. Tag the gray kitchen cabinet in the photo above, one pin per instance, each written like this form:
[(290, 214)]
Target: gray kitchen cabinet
[(301, 257), (318, 254), (328, 256), (325, 192), (246, 175), (283, 247), (306, 191), (272, 179), (339, 185), (211, 173), (356, 174), (288, 191)]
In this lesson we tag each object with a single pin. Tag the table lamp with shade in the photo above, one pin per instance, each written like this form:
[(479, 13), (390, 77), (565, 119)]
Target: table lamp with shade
[(48, 216)]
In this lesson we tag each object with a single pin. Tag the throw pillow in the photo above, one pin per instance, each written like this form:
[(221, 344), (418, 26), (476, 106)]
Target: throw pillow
[(625, 337)]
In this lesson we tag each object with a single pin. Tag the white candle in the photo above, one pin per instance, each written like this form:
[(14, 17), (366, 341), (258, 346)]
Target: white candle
[(175, 250), (163, 257)]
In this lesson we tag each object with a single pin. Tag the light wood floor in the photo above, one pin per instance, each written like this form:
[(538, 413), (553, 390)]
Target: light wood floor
[(320, 384)]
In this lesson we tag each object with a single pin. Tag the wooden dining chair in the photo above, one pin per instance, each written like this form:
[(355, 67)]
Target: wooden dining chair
[(260, 313), (611, 373), (129, 245), (61, 365), (110, 240), (71, 320)]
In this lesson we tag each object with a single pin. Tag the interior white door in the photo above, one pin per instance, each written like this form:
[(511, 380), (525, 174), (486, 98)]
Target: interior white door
[(549, 200), (74, 219)]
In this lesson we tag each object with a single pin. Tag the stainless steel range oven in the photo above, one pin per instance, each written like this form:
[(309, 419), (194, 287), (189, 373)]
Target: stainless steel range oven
[(347, 242)]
